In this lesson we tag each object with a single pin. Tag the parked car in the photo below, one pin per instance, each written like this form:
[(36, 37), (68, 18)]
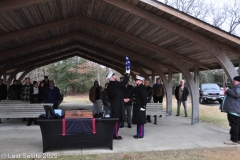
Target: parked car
[(210, 92)]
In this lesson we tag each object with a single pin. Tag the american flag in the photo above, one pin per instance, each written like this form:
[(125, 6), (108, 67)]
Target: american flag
[(127, 64)]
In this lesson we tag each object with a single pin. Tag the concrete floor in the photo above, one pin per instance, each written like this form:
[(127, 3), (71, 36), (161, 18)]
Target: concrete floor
[(171, 133)]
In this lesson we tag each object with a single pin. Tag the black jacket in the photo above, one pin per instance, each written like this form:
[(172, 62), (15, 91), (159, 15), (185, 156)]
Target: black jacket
[(149, 93), (184, 95), (128, 93), (139, 101), (3, 91), (14, 92), (105, 99), (115, 95)]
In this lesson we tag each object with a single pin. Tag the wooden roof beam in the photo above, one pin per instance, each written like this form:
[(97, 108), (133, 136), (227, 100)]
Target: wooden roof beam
[(36, 29), (126, 52), (15, 4), (25, 48)]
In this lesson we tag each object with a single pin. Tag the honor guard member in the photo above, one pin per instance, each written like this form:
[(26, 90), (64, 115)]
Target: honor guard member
[(139, 107), (115, 96)]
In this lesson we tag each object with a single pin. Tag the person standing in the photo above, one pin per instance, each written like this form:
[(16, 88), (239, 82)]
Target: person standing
[(149, 96), (25, 90), (231, 105), (127, 94), (14, 91), (3, 92), (94, 96), (106, 103), (158, 91), (34, 98), (52, 95), (139, 107), (115, 95), (181, 94), (46, 81)]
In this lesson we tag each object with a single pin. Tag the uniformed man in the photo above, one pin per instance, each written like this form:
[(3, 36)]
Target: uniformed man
[(139, 107), (115, 96)]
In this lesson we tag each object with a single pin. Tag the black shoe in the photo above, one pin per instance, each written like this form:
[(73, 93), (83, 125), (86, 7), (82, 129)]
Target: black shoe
[(149, 121), (136, 137), (7, 118), (121, 126), (129, 126), (185, 115), (177, 115), (29, 124), (118, 138), (24, 119)]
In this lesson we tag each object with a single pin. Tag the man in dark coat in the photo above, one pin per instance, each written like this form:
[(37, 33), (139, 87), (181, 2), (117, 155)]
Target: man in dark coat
[(139, 107), (52, 95), (14, 91), (3, 92), (115, 95), (181, 94), (231, 105)]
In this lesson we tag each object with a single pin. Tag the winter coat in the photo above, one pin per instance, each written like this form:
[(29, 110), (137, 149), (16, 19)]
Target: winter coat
[(105, 99), (149, 93), (92, 93), (139, 101), (52, 95), (115, 95), (158, 90), (184, 94), (14, 92), (3, 91), (128, 93), (231, 101)]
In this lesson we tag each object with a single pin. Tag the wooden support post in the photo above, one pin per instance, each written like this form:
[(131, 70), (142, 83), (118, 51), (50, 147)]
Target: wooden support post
[(169, 99), (195, 101)]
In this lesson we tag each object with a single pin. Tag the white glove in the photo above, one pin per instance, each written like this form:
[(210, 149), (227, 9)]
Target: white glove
[(142, 109), (128, 65)]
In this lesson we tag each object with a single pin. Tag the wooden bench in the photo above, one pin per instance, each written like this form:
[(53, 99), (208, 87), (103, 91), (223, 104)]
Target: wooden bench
[(14, 101), (22, 110), (155, 109)]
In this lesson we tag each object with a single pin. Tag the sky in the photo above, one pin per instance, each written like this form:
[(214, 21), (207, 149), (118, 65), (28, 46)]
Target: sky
[(218, 5)]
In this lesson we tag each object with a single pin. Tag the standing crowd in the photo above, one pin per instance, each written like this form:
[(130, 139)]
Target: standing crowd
[(45, 92)]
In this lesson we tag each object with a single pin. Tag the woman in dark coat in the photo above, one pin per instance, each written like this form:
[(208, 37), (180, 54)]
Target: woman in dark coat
[(139, 107)]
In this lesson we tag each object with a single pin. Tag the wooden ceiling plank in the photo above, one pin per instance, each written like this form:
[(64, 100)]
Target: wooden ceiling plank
[(70, 8), (46, 12), (29, 16), (64, 8), (53, 10), (10, 21)]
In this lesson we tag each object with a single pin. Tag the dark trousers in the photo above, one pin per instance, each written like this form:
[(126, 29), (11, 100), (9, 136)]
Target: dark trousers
[(116, 128), (129, 114), (157, 99), (234, 122)]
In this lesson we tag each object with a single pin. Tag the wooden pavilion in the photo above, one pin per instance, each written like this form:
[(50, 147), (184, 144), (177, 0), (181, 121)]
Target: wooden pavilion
[(158, 39)]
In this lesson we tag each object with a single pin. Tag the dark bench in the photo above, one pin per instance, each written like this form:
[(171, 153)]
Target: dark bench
[(155, 109), (52, 135)]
